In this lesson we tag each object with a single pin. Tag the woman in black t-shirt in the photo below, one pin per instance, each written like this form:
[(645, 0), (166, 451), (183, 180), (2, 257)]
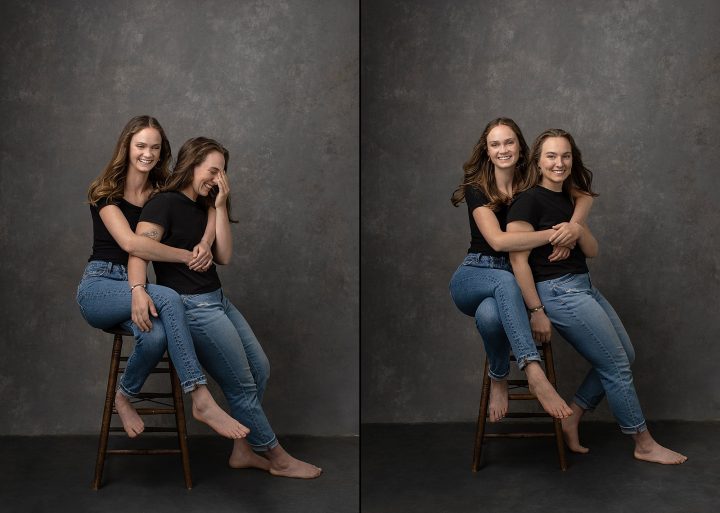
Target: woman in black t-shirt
[(562, 293), (139, 166), (484, 286), (224, 340)]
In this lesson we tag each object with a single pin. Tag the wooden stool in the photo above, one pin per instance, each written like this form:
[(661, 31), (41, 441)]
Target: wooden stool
[(177, 409), (480, 434)]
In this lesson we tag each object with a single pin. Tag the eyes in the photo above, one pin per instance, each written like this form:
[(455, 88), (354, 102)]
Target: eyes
[(496, 144), (142, 146)]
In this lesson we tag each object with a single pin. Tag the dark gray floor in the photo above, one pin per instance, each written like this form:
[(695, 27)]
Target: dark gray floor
[(426, 468), (53, 474)]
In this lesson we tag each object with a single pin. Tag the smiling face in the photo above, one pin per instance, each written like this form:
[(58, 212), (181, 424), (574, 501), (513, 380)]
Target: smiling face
[(502, 147), (144, 150), (555, 162), (206, 173)]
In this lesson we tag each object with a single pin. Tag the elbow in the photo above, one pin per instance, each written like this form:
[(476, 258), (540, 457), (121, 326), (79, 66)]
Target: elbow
[(496, 244), (128, 244), (222, 259)]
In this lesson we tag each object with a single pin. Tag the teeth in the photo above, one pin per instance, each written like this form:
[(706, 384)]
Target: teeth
[(145, 161)]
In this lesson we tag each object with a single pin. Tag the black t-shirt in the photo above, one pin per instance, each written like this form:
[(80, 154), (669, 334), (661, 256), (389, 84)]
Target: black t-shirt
[(105, 247), (476, 198), (184, 222), (543, 209)]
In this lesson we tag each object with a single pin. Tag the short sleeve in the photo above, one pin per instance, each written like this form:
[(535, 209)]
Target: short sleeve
[(104, 202), (523, 208), (475, 198), (157, 211)]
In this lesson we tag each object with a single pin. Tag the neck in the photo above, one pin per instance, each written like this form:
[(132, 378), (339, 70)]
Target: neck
[(551, 186), (135, 182), (504, 180), (189, 192)]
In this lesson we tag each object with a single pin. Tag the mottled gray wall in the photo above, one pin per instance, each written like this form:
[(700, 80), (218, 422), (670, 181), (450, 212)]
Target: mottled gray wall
[(277, 83), (638, 85)]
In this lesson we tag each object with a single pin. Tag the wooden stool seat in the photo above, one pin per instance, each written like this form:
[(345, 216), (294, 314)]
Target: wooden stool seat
[(177, 409), (480, 434)]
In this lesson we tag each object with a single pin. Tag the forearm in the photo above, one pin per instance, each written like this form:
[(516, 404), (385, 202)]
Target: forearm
[(137, 270), (148, 249), (209, 235), (519, 241), (583, 204), (588, 243), (524, 277), (222, 251)]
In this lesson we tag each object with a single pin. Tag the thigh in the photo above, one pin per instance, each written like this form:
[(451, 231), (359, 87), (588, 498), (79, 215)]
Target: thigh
[(104, 302), (616, 322), (251, 344), (471, 285), (582, 321)]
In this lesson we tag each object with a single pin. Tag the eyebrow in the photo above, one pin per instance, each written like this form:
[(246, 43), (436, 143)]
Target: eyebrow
[(509, 139)]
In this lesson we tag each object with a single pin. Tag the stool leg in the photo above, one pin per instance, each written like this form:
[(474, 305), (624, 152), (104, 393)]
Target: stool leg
[(482, 415), (550, 371), (180, 424), (107, 411)]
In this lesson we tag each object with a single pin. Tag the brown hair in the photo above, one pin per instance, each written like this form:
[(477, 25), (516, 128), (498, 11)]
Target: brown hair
[(111, 182), (192, 153), (580, 176), (479, 171)]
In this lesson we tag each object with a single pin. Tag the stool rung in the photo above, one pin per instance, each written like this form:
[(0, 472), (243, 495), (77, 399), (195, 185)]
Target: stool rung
[(522, 397), (517, 435), (142, 452), (518, 383), (526, 414), (156, 370), (150, 411), (148, 429), (153, 395)]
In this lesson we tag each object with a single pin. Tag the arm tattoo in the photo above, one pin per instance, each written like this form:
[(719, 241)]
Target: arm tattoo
[(153, 234)]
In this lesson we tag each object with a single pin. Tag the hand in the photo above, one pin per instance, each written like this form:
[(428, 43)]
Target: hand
[(559, 253), (202, 257), (223, 189), (566, 234), (141, 305), (540, 326)]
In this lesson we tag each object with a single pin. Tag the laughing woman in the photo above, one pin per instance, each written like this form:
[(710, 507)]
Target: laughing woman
[(561, 293)]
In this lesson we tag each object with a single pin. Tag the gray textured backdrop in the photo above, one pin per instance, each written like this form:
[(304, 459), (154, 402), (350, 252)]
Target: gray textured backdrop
[(277, 83), (638, 85)]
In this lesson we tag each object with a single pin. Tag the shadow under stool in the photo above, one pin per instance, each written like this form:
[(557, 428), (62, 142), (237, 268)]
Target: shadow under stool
[(176, 409), (480, 435)]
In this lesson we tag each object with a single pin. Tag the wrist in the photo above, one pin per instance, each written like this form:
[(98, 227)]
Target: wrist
[(536, 309), (138, 286)]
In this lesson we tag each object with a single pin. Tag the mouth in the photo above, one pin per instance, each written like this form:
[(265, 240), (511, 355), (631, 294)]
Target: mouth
[(206, 187), (505, 157), (558, 172), (146, 162)]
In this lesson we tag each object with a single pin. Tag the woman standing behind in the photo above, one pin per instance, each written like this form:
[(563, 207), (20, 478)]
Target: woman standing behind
[(224, 341), (562, 293), (138, 167), (484, 286)]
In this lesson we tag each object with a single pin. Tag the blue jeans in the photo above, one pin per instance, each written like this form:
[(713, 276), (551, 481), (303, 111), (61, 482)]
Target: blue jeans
[(105, 301), (229, 350), (483, 287), (589, 323)]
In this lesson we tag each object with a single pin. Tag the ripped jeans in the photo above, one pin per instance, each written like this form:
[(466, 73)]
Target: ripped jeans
[(229, 350), (105, 301), (584, 318), (483, 287)]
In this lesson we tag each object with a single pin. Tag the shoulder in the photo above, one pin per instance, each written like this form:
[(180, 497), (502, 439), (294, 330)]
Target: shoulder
[(474, 196)]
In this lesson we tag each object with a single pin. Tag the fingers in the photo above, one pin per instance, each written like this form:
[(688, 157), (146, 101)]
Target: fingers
[(153, 310)]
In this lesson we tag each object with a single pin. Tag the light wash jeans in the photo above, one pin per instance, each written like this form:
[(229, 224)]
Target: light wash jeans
[(232, 355), (483, 287), (589, 323), (105, 301)]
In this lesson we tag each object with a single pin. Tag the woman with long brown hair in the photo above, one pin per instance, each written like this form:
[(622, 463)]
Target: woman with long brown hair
[(137, 169), (224, 341), (483, 286), (562, 293)]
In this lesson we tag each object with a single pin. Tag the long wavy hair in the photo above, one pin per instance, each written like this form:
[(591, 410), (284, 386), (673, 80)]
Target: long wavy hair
[(479, 171), (192, 153), (580, 176), (110, 183)]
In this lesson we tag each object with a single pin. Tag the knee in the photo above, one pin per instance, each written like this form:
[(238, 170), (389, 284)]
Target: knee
[(487, 317), (154, 340), (165, 297), (263, 371)]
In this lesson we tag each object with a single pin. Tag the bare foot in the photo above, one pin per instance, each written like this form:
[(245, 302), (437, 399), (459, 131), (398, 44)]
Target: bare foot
[(206, 410), (284, 465), (244, 457), (570, 430), (541, 388), (498, 399), (131, 421), (647, 449)]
